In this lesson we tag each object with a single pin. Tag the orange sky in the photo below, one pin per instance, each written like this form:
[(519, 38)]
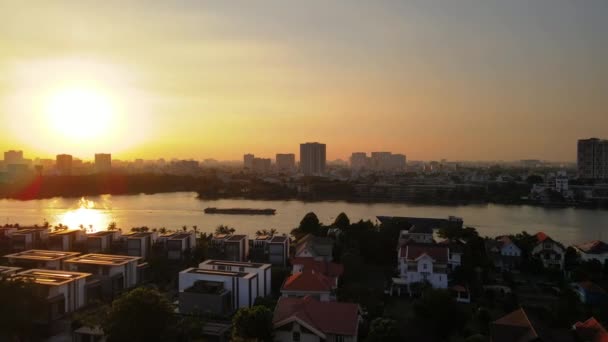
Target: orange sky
[(196, 79)]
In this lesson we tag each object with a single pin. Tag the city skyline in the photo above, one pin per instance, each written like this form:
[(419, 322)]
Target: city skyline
[(462, 81)]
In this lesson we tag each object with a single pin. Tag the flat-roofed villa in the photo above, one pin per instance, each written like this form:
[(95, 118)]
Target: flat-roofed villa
[(271, 249), (263, 272), (66, 240), (176, 244), (241, 289), (39, 258), (140, 243), (64, 291), (6, 271), (102, 241), (115, 272), (29, 238)]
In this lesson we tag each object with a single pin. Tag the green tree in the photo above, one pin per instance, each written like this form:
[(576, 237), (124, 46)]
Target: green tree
[(223, 229), (252, 324), (438, 313), (342, 221), (309, 225), (140, 315), (21, 306), (383, 329)]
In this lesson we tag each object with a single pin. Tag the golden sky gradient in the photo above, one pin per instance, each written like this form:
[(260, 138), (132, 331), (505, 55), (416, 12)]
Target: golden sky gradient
[(462, 80)]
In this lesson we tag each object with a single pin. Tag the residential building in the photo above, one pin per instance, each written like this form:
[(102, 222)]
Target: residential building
[(36, 258), (176, 244), (504, 253), (248, 161), (308, 319), (139, 243), (359, 161), (387, 162), (102, 241), (269, 249), (592, 158), (114, 272), (513, 327), (67, 240), (327, 268), (6, 271), (29, 238), (419, 263), (229, 247), (261, 165), (103, 162), (594, 250), (313, 159), (13, 157), (286, 162), (65, 292), (310, 246), (262, 271), (418, 234), (550, 252), (310, 283), (230, 289), (63, 164), (590, 331), (7, 232)]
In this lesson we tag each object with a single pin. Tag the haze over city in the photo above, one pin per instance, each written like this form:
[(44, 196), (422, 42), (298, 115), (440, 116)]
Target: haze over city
[(467, 80)]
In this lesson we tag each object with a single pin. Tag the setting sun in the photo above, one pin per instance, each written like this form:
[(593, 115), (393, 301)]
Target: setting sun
[(80, 113)]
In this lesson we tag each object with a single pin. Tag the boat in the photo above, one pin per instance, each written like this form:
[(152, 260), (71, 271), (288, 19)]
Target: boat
[(240, 211)]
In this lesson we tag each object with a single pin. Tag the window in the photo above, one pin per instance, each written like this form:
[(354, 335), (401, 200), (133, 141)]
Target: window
[(296, 336), (424, 266), (339, 338), (241, 269)]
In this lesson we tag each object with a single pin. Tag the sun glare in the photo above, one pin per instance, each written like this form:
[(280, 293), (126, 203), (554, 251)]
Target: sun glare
[(80, 113)]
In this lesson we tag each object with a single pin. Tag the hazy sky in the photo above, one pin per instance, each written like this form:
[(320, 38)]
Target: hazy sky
[(457, 79)]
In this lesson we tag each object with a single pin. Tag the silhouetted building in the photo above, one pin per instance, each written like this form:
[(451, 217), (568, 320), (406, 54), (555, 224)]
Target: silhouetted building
[(359, 161), (261, 164), (248, 161), (592, 158), (13, 157), (313, 159), (286, 161), (386, 161), (63, 163), (103, 162)]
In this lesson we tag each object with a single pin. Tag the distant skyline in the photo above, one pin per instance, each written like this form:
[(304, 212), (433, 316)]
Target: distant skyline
[(461, 80)]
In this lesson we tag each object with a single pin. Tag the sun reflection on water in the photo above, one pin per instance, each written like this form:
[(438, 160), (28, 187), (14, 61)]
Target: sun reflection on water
[(86, 215)]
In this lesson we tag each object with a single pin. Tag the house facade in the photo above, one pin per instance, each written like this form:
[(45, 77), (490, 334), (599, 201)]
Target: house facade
[(594, 250), (504, 253), (549, 251), (419, 263)]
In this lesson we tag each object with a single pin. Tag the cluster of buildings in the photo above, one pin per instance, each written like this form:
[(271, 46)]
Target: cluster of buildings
[(378, 162), (313, 160)]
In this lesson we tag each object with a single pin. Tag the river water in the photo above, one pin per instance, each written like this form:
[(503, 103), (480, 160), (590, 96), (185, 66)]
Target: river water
[(174, 210)]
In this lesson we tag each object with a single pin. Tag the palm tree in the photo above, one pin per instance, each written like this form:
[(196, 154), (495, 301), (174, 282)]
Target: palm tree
[(222, 229), (185, 228), (267, 232), (112, 226)]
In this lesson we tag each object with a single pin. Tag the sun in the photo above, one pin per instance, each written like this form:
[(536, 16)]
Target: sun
[(79, 113)]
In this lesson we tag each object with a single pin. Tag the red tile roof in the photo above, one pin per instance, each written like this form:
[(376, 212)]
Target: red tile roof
[(514, 327), (327, 317), (330, 269), (308, 281), (594, 247), (591, 330), (540, 236), (411, 252)]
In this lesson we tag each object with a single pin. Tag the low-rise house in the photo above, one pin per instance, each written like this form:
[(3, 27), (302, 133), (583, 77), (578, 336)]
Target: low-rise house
[(455, 249), (229, 247), (418, 234), (37, 258), (513, 327), (270, 249), (310, 283), (29, 238), (6, 232), (419, 263), (503, 252), (139, 243), (461, 294), (242, 287), (594, 250), (176, 244), (102, 241), (590, 331), (327, 268), (6, 271), (67, 240), (550, 252), (263, 272), (114, 272), (590, 293), (65, 292), (206, 297), (307, 319), (310, 246)]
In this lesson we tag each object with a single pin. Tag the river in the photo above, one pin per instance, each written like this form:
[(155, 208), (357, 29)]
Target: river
[(174, 210)]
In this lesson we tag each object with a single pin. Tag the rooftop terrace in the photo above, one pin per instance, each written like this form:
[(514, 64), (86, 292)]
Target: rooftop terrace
[(48, 277), (41, 255), (103, 259), (234, 264), (219, 273)]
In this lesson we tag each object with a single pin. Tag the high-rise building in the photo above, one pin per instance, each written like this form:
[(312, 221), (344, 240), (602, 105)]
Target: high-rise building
[(103, 162), (592, 158), (261, 164), (13, 157), (248, 161), (313, 158), (286, 161), (359, 161), (63, 163), (387, 162)]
